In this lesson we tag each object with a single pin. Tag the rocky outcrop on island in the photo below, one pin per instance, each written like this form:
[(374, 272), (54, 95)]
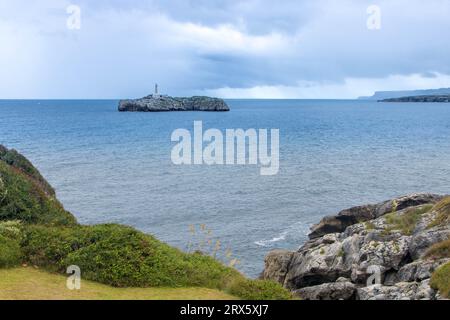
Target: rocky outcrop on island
[(154, 103), (432, 98), (390, 250)]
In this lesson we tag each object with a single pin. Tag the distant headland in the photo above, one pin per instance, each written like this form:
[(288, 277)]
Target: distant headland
[(383, 95), (432, 98), (159, 103)]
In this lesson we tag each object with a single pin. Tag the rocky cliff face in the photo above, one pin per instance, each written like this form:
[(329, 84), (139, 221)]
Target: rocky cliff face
[(387, 250), (166, 103)]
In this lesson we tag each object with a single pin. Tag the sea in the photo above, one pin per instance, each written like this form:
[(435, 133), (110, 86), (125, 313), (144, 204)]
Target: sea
[(113, 167)]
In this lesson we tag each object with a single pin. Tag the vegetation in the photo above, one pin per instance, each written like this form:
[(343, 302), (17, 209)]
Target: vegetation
[(258, 290), (440, 280), (34, 284), (35, 229), (18, 161), (439, 250), (442, 209), (121, 256), (10, 250), (369, 225), (21, 198), (407, 221)]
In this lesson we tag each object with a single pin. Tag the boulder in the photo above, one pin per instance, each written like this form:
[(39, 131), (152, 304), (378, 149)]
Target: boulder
[(342, 290)]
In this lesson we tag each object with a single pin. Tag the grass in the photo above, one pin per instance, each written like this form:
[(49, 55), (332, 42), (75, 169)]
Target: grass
[(440, 280), (407, 221), (442, 209), (439, 250), (369, 225), (33, 284)]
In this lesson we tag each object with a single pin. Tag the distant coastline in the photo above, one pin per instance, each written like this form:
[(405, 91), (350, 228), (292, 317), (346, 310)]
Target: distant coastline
[(431, 98), (383, 95)]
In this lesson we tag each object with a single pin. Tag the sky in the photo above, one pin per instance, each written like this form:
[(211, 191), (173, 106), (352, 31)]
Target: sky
[(100, 49)]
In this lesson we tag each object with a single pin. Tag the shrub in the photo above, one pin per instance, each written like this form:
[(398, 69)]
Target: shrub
[(258, 290), (15, 159), (120, 256), (11, 230), (23, 199), (124, 257), (10, 253), (439, 250), (440, 280)]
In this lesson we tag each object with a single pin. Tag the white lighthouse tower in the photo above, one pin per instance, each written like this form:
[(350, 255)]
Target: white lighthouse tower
[(156, 95)]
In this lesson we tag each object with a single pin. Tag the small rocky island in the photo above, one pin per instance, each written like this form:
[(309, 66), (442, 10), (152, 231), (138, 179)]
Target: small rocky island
[(158, 103), (395, 250), (423, 98)]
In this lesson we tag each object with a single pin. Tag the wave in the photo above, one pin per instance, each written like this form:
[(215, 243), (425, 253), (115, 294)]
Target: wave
[(265, 243)]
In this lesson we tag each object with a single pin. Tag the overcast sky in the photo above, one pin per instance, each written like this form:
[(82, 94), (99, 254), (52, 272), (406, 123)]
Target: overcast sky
[(232, 49)]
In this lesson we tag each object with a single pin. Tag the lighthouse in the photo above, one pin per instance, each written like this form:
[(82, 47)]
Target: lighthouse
[(156, 94)]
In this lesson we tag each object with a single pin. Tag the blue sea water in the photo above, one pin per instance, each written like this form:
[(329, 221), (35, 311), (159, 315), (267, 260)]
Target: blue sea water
[(115, 167)]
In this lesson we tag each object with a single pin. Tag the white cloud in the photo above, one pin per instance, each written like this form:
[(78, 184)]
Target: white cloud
[(316, 48), (349, 89)]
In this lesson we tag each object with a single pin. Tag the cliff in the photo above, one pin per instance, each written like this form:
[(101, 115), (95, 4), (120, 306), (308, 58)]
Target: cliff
[(432, 98), (403, 244), (167, 103)]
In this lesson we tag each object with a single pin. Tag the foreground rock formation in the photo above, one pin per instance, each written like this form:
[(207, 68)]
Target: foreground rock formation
[(167, 103), (381, 251)]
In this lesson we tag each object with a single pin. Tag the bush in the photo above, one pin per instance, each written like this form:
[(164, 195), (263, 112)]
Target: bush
[(440, 280), (120, 256), (124, 257), (23, 199), (15, 159), (258, 290)]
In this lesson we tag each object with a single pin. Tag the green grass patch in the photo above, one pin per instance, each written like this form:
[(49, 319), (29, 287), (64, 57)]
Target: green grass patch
[(407, 221), (369, 225), (442, 209), (35, 284), (258, 290), (440, 280), (439, 250)]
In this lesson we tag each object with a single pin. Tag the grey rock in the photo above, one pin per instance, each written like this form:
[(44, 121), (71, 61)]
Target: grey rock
[(400, 291), (167, 103), (343, 290), (277, 264), (348, 217), (370, 250)]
